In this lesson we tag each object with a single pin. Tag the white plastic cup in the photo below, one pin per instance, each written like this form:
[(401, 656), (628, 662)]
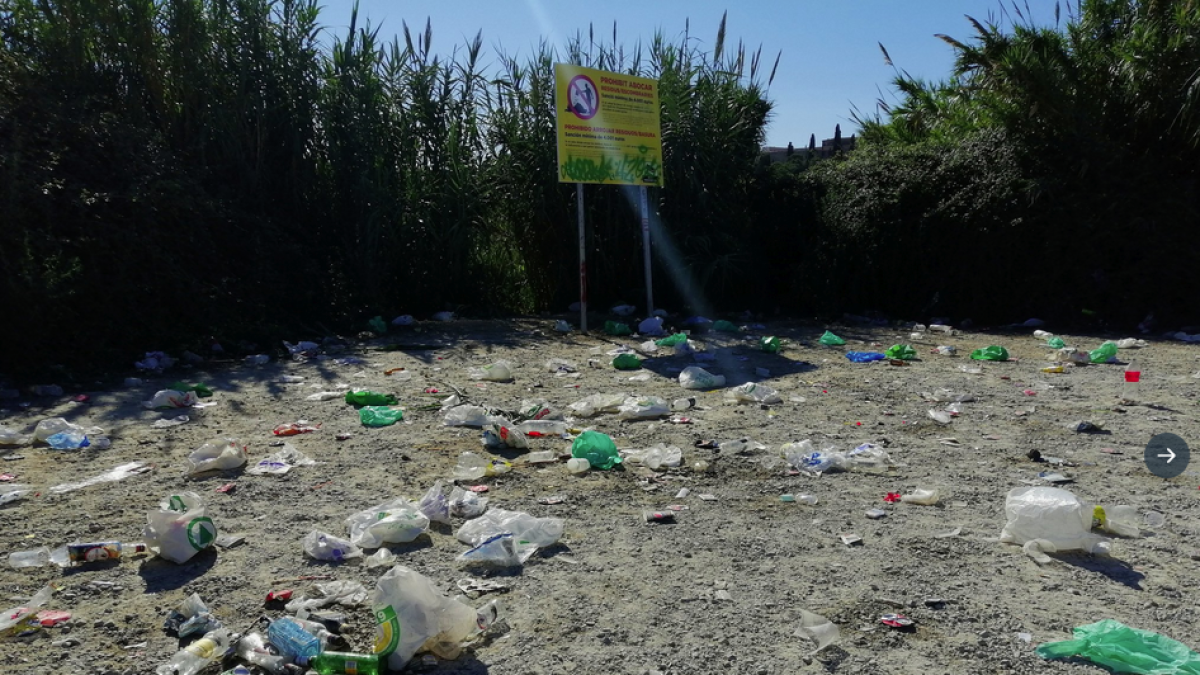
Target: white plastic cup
[(578, 465)]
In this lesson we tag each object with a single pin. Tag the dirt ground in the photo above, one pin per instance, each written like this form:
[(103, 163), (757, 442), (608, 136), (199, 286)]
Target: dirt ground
[(719, 591)]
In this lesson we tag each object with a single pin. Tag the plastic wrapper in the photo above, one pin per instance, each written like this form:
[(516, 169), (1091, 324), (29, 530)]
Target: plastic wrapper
[(324, 546), (466, 416), (697, 378), (626, 362), (1104, 353), (379, 416), (597, 404), (753, 392), (652, 326), (541, 532), (216, 455), (1121, 649), (865, 357), (115, 474), (1053, 515), (991, 353), (179, 528), (831, 340), (500, 371), (12, 437), (501, 550), (398, 521), (473, 467), (820, 631), (56, 425), (902, 352), (280, 462), (643, 408), (16, 619)]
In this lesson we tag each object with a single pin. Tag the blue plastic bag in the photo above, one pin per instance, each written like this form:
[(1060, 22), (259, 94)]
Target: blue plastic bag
[(865, 357)]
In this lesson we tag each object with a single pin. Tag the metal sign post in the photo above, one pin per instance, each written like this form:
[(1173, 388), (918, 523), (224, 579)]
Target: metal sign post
[(582, 261), (646, 250)]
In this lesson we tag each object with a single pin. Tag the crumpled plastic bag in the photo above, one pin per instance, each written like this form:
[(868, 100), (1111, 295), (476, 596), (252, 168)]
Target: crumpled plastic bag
[(342, 592), (753, 392), (1104, 353), (467, 504), (155, 361), (672, 340), (820, 631), (411, 615), (179, 529), (866, 457), (1051, 515), (598, 449), (12, 437), (57, 425), (990, 353), (1115, 646), (17, 619), (655, 457), (770, 344), (652, 326), (501, 550), (598, 403), (379, 415), (470, 416), (216, 455), (697, 378), (831, 340), (279, 463), (626, 362), (616, 328), (398, 521), (324, 546), (723, 326), (500, 371), (901, 352), (539, 531), (435, 505), (865, 357), (171, 398), (643, 408)]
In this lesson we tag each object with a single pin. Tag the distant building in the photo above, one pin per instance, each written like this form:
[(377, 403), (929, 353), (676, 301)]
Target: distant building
[(824, 151)]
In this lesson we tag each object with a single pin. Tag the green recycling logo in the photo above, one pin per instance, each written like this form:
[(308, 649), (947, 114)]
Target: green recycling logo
[(201, 533)]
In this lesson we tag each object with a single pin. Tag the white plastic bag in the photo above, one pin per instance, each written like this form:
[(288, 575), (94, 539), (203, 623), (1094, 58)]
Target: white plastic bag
[(216, 455), (500, 371), (752, 392), (325, 546), (411, 615), (55, 425), (540, 531), (662, 455), (598, 403), (12, 437), (179, 529), (1053, 515), (652, 326), (467, 504), (466, 416), (643, 408), (170, 398), (695, 377), (501, 550), (398, 521)]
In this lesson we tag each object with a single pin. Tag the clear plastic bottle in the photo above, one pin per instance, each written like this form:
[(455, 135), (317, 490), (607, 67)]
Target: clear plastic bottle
[(542, 428), (77, 553), (292, 641), (197, 656), (578, 465)]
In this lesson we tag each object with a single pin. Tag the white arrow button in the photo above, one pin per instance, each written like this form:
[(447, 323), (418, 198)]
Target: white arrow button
[(1170, 455)]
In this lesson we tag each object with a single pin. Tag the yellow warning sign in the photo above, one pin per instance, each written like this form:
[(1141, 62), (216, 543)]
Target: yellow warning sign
[(608, 127)]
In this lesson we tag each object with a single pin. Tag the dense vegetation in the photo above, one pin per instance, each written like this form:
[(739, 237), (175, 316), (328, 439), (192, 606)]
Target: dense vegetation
[(175, 170)]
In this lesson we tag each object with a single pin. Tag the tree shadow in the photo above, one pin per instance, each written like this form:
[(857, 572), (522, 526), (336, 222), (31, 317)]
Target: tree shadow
[(163, 575), (1113, 568)]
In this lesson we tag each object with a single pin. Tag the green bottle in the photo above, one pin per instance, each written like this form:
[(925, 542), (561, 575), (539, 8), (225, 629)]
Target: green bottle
[(345, 663), (361, 398)]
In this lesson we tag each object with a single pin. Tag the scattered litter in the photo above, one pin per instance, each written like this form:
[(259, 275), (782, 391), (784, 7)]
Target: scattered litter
[(876, 514), (118, 473), (850, 539), (172, 422), (279, 463), (295, 428)]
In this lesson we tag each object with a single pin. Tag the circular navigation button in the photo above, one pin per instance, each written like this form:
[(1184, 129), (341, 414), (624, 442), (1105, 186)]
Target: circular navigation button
[(1167, 455)]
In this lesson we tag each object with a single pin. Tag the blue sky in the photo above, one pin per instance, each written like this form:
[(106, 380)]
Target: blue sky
[(830, 55)]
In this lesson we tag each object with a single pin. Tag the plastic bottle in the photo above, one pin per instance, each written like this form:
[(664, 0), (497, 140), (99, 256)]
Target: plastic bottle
[(543, 457), (69, 554), (198, 655), (292, 641), (253, 649), (542, 428), (578, 465), (345, 663)]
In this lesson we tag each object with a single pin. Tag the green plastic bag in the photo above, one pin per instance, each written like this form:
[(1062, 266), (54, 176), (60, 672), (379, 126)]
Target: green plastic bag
[(378, 325), (597, 448), (769, 344), (616, 328), (1122, 649), (379, 416), (361, 398), (724, 326), (627, 362), (1103, 353), (992, 353), (902, 352), (202, 390), (671, 340), (1056, 343), (831, 340)]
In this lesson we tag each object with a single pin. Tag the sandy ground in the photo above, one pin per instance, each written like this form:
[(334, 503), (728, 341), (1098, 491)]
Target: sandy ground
[(719, 591)]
